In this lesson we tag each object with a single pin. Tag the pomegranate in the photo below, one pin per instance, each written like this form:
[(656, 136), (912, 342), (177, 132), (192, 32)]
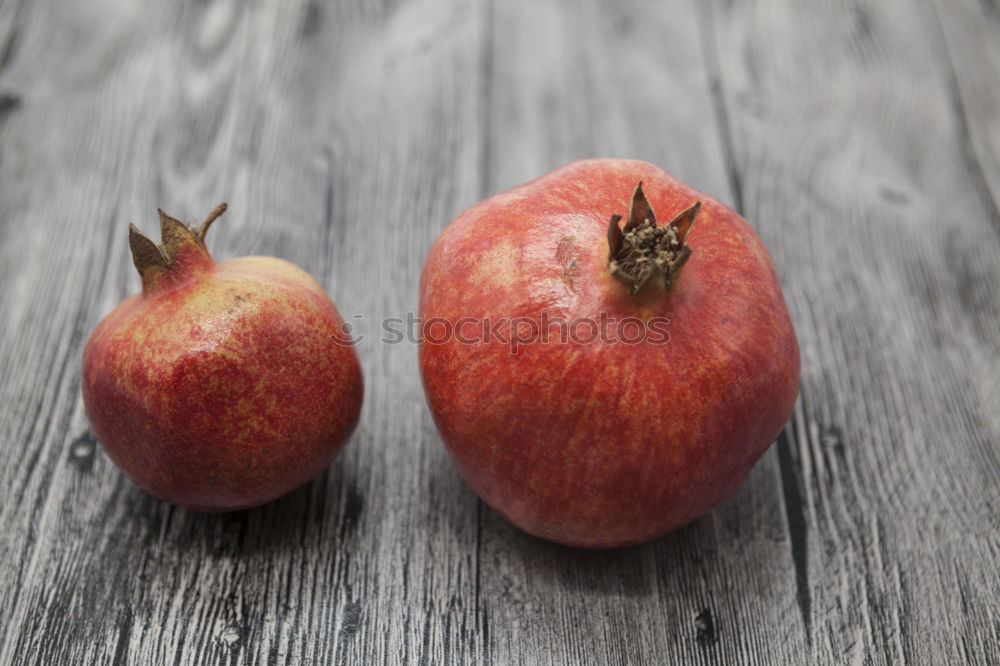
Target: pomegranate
[(222, 385), (596, 384)]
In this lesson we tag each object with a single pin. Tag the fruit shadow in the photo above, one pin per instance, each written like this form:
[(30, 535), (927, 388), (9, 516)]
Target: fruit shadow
[(323, 511), (740, 542), (631, 571)]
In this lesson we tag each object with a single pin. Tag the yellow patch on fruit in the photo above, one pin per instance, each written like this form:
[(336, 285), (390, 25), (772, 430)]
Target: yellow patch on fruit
[(497, 266)]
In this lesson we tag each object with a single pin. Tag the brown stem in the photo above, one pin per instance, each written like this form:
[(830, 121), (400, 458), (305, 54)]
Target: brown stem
[(642, 253), (181, 250), (216, 213)]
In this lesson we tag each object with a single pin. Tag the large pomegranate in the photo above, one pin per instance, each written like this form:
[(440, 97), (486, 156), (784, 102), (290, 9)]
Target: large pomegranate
[(222, 385), (600, 384)]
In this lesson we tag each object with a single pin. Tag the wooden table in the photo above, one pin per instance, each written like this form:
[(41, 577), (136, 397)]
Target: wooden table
[(861, 140)]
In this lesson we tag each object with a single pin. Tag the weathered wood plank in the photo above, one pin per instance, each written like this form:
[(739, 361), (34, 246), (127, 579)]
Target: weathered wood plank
[(402, 117), (972, 36), (309, 119), (10, 17), (573, 80), (850, 157)]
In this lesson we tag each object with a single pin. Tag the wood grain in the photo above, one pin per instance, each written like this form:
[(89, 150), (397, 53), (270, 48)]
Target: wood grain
[(859, 139), (970, 32), (851, 164)]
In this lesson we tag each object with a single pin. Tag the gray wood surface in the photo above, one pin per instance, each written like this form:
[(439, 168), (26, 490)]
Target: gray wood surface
[(860, 139)]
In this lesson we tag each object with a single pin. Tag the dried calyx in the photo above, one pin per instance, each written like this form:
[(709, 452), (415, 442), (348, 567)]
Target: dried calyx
[(643, 254), (181, 249)]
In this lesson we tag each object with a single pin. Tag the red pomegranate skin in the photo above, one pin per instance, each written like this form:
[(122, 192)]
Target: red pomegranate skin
[(605, 445), (223, 385)]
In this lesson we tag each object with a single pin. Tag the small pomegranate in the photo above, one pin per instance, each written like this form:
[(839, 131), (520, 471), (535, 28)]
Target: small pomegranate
[(597, 384), (222, 385)]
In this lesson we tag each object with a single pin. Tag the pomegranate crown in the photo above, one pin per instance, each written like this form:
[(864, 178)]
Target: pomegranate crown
[(180, 253), (642, 253)]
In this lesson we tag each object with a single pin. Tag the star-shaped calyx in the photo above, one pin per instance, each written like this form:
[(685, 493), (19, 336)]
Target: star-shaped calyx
[(180, 253), (643, 254)]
